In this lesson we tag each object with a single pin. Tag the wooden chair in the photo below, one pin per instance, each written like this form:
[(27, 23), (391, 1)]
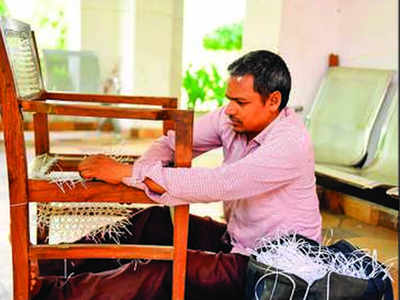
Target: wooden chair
[(21, 89)]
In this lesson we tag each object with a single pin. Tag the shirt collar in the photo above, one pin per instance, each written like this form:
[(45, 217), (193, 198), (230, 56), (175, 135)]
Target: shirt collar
[(286, 112)]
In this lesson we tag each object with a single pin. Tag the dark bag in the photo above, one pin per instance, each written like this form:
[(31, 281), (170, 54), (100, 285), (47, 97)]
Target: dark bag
[(268, 283)]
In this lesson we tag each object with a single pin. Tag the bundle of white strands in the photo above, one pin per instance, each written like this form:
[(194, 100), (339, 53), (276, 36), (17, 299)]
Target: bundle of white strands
[(40, 168), (69, 221), (310, 262), (65, 179), (41, 165)]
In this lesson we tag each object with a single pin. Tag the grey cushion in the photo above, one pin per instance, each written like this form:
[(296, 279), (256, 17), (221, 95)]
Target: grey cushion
[(384, 169), (343, 113)]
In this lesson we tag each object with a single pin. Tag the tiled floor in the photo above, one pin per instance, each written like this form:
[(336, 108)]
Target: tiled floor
[(335, 226)]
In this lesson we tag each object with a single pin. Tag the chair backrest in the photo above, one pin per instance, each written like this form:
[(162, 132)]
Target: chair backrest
[(343, 113), (21, 50), (20, 78), (385, 167), (72, 71)]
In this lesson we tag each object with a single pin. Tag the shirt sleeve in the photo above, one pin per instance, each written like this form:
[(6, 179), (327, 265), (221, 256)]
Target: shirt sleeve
[(206, 137), (271, 166)]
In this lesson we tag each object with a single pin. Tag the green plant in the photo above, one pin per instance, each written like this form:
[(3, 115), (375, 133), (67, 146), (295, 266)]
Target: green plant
[(218, 87), (227, 37), (202, 86), (3, 8), (56, 23)]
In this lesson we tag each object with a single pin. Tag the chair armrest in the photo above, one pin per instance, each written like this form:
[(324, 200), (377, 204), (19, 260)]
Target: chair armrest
[(44, 191), (105, 112), (166, 102)]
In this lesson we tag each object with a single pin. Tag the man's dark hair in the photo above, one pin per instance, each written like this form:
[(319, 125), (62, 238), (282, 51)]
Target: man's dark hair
[(269, 71)]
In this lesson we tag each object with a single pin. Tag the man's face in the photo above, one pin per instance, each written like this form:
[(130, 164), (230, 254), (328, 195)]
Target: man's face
[(246, 110)]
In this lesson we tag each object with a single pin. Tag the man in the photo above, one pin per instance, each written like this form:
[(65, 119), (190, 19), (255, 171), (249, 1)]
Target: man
[(266, 183)]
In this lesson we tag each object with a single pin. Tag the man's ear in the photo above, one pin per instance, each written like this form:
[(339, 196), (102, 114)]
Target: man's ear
[(274, 100)]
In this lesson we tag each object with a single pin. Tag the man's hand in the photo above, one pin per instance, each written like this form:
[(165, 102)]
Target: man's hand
[(104, 168), (109, 170)]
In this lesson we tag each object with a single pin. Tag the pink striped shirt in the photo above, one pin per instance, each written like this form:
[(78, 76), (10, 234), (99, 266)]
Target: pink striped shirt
[(267, 185)]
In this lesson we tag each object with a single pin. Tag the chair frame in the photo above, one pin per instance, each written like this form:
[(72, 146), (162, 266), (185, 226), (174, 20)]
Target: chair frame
[(23, 190)]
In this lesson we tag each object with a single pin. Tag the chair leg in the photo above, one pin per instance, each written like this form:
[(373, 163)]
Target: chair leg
[(21, 283), (19, 237), (181, 221)]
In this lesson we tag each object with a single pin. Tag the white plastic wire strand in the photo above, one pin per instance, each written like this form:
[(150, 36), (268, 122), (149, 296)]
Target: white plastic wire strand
[(277, 273), (328, 285)]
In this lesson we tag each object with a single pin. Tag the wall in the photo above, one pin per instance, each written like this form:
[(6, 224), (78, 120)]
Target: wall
[(308, 34), (102, 24), (261, 26), (158, 47), (363, 32), (368, 33), (72, 12), (142, 38)]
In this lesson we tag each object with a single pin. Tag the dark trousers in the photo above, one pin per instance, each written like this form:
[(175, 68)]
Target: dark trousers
[(212, 272)]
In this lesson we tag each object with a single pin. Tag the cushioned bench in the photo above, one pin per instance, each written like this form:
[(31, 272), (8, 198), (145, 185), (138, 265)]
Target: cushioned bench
[(344, 112), (383, 169), (341, 122)]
